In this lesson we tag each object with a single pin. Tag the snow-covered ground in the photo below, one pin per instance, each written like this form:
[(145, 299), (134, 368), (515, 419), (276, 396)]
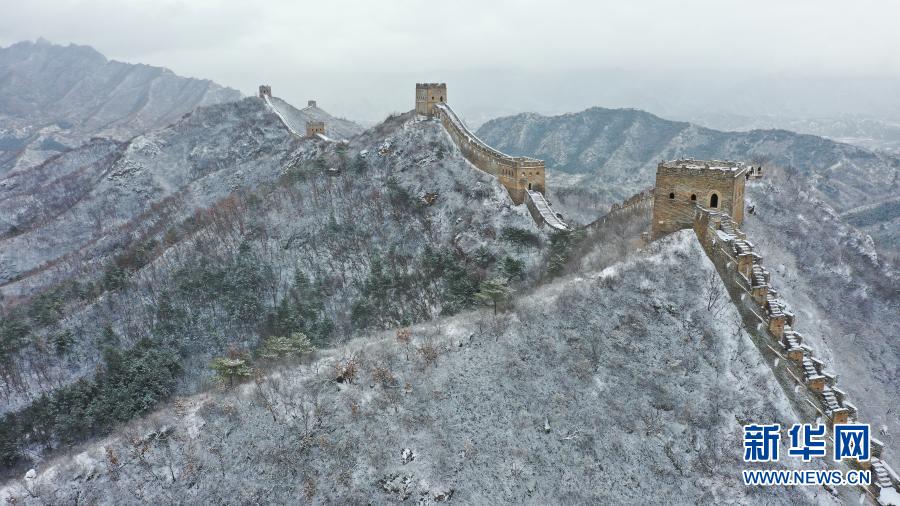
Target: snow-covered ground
[(615, 388)]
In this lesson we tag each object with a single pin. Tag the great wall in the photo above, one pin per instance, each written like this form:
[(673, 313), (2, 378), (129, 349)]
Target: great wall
[(314, 129), (522, 176), (706, 196)]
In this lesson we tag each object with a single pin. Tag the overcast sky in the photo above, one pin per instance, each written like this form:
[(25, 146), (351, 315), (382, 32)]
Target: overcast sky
[(355, 54)]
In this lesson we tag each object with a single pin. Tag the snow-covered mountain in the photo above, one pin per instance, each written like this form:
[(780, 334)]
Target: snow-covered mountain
[(335, 128), (825, 220), (220, 231), (600, 156), (56, 97), (198, 297), (867, 132), (617, 386)]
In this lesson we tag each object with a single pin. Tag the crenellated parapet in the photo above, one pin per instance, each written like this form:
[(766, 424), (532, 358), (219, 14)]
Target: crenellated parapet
[(792, 359)]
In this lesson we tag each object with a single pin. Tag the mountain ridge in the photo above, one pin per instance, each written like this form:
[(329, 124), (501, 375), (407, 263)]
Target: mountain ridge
[(54, 98)]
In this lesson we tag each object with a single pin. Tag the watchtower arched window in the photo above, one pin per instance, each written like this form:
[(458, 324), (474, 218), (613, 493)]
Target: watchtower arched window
[(693, 196), (672, 196), (442, 98), (714, 200)]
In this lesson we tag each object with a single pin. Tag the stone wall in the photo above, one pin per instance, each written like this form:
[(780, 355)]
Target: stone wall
[(516, 173), (773, 328), (643, 200), (683, 184)]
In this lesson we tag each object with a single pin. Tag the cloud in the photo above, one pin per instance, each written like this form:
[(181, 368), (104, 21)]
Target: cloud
[(295, 44)]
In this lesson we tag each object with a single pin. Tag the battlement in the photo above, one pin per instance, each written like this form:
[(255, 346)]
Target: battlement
[(685, 184), (771, 324), (265, 91), (724, 169)]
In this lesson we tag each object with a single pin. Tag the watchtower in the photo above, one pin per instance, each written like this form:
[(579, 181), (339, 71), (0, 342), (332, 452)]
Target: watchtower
[(310, 103), (682, 185), (265, 91), (314, 128), (428, 94)]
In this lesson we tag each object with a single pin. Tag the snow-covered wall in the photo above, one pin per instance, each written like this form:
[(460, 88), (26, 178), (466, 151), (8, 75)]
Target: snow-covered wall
[(771, 323), (517, 173)]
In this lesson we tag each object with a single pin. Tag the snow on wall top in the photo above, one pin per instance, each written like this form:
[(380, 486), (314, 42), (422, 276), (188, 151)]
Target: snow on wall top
[(546, 212), (471, 137), (721, 165)]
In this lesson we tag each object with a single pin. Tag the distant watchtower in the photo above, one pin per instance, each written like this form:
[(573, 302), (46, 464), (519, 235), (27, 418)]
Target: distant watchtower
[(265, 91), (314, 128), (682, 185), (428, 94), (310, 103)]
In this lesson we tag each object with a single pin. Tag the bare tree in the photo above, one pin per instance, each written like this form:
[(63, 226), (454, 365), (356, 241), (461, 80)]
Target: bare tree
[(712, 293)]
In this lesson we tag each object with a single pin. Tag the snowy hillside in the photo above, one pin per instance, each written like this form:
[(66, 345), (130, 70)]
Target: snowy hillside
[(79, 206), (600, 156), (844, 294), (335, 128), (616, 386), (57, 97), (225, 230), (841, 283)]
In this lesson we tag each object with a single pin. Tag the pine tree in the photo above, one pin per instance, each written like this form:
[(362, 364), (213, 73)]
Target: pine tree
[(232, 367), (280, 347), (494, 292)]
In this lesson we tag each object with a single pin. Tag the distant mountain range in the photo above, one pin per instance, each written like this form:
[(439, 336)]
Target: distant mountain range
[(56, 97), (870, 133), (600, 156)]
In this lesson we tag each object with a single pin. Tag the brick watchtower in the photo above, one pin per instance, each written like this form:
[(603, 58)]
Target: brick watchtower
[(314, 128), (681, 185), (428, 94)]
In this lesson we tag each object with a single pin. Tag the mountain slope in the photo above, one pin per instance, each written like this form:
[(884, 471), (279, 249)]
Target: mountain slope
[(78, 205), (226, 230), (56, 97), (612, 153), (636, 408), (813, 196), (336, 128)]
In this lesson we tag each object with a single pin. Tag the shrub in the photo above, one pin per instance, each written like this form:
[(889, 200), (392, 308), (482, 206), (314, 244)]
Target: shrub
[(520, 237)]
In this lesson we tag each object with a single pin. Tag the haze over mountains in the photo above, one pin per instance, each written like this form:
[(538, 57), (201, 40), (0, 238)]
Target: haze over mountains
[(56, 97), (197, 228)]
